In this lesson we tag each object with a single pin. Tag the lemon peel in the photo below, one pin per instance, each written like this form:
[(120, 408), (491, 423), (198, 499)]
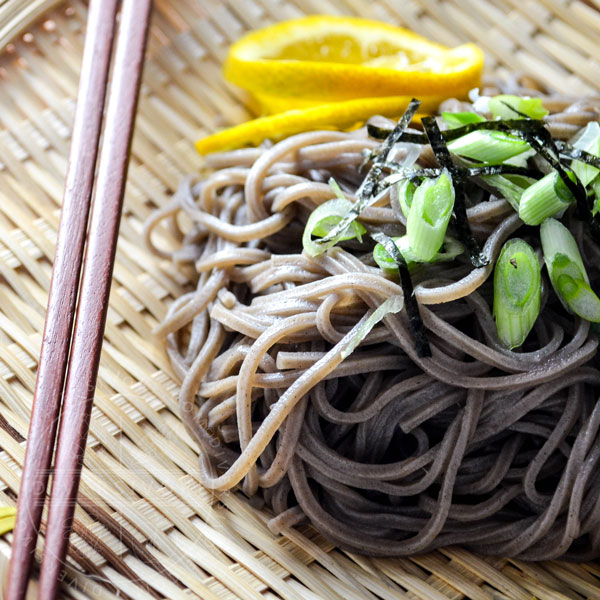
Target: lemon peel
[(334, 115), (8, 516)]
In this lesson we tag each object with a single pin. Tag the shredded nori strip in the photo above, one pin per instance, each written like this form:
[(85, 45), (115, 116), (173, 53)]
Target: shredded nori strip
[(461, 223), (415, 321), (480, 171), (507, 125), (569, 151), (368, 187), (378, 133), (412, 172), (399, 173), (382, 133), (484, 170), (437, 142), (543, 143)]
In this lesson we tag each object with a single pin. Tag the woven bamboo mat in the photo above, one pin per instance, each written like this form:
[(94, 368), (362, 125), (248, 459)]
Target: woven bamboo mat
[(145, 528)]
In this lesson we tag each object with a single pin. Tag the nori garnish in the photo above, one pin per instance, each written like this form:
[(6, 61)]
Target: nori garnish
[(382, 133), (461, 223), (484, 170), (368, 187), (415, 321), (365, 191), (378, 133), (507, 125), (399, 173), (556, 153), (543, 143), (569, 151), (479, 171)]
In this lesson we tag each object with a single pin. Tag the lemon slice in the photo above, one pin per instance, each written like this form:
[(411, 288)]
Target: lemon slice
[(327, 58)]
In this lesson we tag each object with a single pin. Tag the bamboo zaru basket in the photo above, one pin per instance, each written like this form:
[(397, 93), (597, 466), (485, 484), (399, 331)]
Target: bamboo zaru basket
[(144, 526)]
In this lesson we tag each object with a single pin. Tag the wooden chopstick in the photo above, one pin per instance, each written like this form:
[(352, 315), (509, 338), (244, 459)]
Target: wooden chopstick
[(63, 290), (95, 287), (93, 300)]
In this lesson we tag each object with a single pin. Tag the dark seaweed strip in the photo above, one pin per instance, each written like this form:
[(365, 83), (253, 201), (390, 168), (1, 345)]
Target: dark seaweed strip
[(506, 125), (414, 138), (415, 321), (399, 173), (411, 172), (365, 191), (502, 170), (438, 145), (465, 171), (463, 229), (569, 151), (544, 145), (437, 142), (378, 133), (382, 133), (369, 184)]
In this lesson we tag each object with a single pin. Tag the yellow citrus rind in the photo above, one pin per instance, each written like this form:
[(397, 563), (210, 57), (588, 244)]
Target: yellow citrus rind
[(334, 115)]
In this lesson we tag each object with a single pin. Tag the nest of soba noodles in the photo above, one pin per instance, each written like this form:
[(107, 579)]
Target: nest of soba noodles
[(384, 452)]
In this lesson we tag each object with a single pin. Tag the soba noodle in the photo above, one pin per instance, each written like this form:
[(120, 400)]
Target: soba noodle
[(384, 452)]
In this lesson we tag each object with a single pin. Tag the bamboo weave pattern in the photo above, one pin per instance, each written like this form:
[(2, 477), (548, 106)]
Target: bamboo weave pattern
[(144, 527)]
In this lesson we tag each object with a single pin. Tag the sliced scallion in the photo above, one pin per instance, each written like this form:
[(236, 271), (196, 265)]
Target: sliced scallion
[(488, 146), (580, 297), (567, 271), (365, 193), (595, 185), (558, 243), (429, 216), (589, 141), (406, 192), (392, 305), (506, 106), (521, 159), (337, 190), (450, 249), (458, 119), (443, 156), (547, 197), (517, 292), (323, 219), (511, 187)]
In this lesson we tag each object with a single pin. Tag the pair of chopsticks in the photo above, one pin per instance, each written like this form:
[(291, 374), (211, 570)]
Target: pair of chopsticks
[(73, 352)]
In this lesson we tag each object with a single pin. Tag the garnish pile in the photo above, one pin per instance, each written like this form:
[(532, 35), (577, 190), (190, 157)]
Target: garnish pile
[(511, 156)]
